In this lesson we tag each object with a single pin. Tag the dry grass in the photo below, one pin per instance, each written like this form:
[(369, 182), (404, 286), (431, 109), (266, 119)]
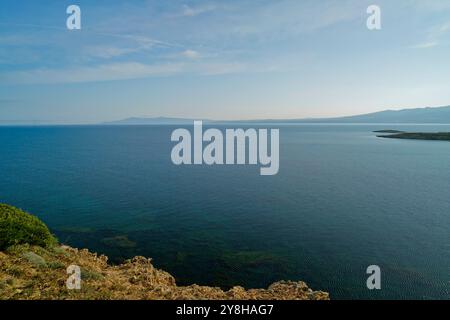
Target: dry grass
[(32, 272)]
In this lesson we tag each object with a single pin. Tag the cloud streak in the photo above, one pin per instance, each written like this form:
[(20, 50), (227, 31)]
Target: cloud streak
[(105, 72), (434, 36), (191, 54), (425, 45), (189, 11), (118, 71)]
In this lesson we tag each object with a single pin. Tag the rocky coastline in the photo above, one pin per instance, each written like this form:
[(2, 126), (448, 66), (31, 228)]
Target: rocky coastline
[(34, 266)]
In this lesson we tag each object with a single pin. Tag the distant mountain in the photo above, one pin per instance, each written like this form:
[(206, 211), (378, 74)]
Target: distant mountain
[(419, 115), (152, 121)]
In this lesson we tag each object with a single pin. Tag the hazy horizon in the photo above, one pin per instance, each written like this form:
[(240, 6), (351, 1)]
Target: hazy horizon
[(44, 122), (238, 60)]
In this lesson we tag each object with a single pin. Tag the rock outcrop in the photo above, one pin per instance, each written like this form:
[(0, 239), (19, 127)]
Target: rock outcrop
[(33, 272)]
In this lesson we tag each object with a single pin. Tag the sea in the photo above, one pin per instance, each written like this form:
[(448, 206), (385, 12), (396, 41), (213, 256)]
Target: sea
[(343, 200)]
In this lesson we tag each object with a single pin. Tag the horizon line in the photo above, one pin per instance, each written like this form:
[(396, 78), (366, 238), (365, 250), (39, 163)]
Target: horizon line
[(253, 120)]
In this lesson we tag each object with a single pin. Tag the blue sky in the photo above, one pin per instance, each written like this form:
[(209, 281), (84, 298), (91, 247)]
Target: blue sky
[(234, 59)]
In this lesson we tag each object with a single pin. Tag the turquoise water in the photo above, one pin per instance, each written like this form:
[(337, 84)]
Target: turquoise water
[(343, 200)]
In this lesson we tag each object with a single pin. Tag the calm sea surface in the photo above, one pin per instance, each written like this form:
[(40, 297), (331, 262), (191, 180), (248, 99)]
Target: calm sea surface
[(343, 200)]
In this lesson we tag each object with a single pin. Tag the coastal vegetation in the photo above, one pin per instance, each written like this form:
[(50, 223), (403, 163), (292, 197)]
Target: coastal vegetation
[(18, 227)]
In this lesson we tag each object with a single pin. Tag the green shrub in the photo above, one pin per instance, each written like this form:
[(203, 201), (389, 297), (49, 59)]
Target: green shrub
[(87, 274), (56, 265), (18, 227)]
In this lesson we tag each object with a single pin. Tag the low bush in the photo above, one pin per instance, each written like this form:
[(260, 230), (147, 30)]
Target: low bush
[(18, 227)]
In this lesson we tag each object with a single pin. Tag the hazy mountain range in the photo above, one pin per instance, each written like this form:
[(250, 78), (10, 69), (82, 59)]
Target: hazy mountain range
[(419, 115)]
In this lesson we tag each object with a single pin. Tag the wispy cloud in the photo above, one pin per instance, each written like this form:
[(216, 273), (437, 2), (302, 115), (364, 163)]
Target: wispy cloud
[(434, 36), (106, 72), (107, 52), (425, 45), (191, 54), (189, 11), (118, 71), (126, 45)]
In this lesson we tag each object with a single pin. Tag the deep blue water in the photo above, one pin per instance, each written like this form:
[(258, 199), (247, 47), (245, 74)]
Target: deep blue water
[(343, 200)]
